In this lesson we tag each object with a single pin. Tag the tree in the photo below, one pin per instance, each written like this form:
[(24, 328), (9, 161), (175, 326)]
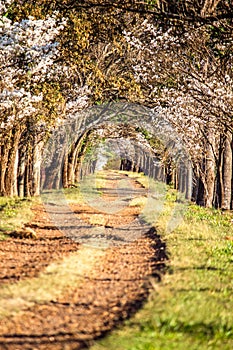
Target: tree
[(28, 51), (192, 87), (146, 52)]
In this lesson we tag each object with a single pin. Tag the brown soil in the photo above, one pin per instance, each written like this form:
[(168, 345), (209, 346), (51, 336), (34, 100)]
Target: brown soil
[(116, 286)]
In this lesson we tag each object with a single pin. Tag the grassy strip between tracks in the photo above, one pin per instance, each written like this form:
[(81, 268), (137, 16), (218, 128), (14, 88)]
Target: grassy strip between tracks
[(57, 279), (192, 307)]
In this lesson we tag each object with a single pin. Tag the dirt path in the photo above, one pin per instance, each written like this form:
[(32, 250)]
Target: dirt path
[(59, 294)]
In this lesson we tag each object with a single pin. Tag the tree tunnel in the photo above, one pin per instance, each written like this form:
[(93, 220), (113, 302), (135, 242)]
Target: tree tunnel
[(119, 136), (126, 125)]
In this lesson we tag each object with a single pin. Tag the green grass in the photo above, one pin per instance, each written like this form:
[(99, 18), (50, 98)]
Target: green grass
[(138, 202), (14, 212), (192, 308), (73, 195), (87, 189)]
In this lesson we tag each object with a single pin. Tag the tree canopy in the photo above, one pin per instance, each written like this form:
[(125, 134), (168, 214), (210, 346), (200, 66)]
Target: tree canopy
[(175, 57)]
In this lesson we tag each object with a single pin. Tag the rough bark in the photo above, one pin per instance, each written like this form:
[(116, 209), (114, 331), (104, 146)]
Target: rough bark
[(65, 172), (21, 170), (209, 172), (5, 149), (209, 7), (15, 175), (10, 170), (227, 173), (36, 167)]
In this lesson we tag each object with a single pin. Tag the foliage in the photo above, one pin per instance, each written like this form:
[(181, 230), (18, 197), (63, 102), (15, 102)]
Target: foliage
[(59, 57)]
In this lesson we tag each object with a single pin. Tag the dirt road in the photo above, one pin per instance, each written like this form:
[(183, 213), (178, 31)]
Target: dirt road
[(58, 293)]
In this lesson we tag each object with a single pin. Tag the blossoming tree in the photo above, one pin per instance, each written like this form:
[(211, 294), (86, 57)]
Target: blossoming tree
[(59, 57), (186, 74)]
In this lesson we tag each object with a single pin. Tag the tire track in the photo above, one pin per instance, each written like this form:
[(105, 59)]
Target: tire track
[(81, 296)]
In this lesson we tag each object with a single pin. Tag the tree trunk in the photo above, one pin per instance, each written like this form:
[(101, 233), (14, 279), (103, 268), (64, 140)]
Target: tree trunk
[(21, 171), (3, 166), (15, 175), (200, 193), (189, 181), (65, 172), (227, 173), (36, 167), (10, 171), (209, 172), (71, 165), (27, 182), (219, 192)]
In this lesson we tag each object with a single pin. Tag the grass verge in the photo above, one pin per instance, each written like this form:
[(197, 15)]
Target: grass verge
[(192, 307), (14, 212)]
